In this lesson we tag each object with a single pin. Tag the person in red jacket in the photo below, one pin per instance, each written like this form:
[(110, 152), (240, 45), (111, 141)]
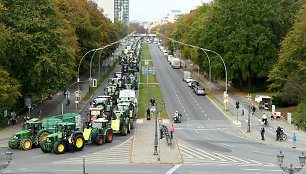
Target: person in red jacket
[(171, 131)]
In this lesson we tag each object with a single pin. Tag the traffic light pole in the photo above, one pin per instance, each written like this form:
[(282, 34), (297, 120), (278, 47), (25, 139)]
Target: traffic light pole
[(237, 115)]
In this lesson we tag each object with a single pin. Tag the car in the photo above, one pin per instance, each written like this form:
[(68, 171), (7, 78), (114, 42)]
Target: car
[(199, 90), (194, 83), (189, 83), (188, 79)]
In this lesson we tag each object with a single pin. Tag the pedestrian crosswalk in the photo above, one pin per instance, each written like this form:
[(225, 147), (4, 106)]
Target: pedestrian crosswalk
[(195, 156), (119, 154)]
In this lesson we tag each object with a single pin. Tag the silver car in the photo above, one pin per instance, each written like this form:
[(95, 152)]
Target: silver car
[(200, 91)]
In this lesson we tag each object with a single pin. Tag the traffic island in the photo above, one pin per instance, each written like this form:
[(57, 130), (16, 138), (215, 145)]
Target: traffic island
[(143, 145)]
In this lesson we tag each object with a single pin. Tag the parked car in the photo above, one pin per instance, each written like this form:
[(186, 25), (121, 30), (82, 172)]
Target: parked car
[(194, 84), (188, 79), (189, 83), (199, 90)]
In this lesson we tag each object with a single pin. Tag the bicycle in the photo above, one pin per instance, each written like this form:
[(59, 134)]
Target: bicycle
[(283, 137)]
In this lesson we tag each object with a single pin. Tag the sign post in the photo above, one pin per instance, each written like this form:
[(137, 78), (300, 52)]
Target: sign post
[(249, 121)]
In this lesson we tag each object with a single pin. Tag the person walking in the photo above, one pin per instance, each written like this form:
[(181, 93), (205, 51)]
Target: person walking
[(148, 114), (294, 140), (262, 132), (278, 132), (171, 131)]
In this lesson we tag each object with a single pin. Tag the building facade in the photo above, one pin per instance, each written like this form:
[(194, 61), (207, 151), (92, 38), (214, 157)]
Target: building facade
[(115, 10), (121, 10)]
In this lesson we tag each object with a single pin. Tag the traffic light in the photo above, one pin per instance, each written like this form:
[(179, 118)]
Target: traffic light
[(237, 104)]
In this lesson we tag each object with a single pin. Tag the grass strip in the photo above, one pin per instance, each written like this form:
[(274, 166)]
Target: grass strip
[(145, 52), (146, 92)]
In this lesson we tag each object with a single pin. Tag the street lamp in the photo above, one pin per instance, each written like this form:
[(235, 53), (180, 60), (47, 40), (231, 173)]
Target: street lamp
[(156, 135), (290, 169), (8, 158)]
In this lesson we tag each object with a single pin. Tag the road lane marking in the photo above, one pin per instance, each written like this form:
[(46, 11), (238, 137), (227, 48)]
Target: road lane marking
[(173, 169), (227, 145), (266, 153)]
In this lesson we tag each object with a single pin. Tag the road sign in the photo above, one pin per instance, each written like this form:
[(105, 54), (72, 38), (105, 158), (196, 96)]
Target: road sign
[(5, 113), (94, 82), (257, 95), (77, 93), (148, 70), (153, 109)]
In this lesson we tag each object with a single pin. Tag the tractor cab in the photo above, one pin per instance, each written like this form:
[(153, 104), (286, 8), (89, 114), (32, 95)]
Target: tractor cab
[(95, 113), (103, 101), (33, 125)]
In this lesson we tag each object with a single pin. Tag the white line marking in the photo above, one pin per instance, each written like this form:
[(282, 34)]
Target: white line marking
[(173, 169), (266, 153)]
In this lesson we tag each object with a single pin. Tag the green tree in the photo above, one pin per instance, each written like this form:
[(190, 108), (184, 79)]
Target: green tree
[(247, 35), (36, 55), (291, 62)]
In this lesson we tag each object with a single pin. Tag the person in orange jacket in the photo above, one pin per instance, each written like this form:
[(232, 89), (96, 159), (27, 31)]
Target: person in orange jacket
[(171, 131)]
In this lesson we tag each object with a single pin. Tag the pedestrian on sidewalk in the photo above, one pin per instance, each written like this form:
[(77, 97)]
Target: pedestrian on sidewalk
[(171, 131), (262, 132), (294, 140), (278, 132), (148, 114)]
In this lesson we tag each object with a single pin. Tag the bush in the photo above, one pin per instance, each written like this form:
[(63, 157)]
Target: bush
[(300, 115), (277, 100)]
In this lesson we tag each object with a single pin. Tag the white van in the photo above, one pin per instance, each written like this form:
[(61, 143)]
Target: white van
[(170, 57), (176, 63)]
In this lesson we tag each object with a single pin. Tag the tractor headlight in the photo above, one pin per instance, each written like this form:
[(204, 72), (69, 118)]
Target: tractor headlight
[(15, 137), (48, 140)]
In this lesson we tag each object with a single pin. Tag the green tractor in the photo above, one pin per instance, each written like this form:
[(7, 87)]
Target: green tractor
[(111, 91), (66, 137), (130, 110), (132, 79), (32, 135), (120, 122), (98, 131)]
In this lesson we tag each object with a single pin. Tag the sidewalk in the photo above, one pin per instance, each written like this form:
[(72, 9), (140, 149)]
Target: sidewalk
[(217, 90), (54, 107), (143, 145)]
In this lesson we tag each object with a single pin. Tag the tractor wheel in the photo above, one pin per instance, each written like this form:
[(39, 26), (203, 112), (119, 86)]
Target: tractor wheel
[(79, 142), (109, 136), (42, 147), (59, 147), (132, 123), (99, 140), (129, 127), (15, 146), (26, 144), (124, 129), (42, 137)]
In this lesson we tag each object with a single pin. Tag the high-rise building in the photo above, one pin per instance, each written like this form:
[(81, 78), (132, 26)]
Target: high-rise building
[(116, 10), (121, 10)]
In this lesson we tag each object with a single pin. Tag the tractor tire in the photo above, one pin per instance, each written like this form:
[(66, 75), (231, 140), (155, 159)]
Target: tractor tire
[(43, 148), (129, 127), (42, 137), (132, 123), (124, 129), (109, 136), (78, 142), (26, 144), (59, 147), (12, 146), (99, 140)]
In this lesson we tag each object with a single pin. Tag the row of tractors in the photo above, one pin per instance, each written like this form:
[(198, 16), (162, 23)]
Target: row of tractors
[(113, 112)]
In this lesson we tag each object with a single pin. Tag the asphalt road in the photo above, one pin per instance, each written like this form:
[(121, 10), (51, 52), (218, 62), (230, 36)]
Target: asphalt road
[(208, 141), (206, 135)]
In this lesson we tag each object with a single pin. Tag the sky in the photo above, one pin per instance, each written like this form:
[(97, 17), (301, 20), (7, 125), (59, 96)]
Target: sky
[(153, 10)]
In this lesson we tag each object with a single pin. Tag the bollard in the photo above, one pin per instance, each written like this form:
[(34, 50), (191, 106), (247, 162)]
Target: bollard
[(242, 112)]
